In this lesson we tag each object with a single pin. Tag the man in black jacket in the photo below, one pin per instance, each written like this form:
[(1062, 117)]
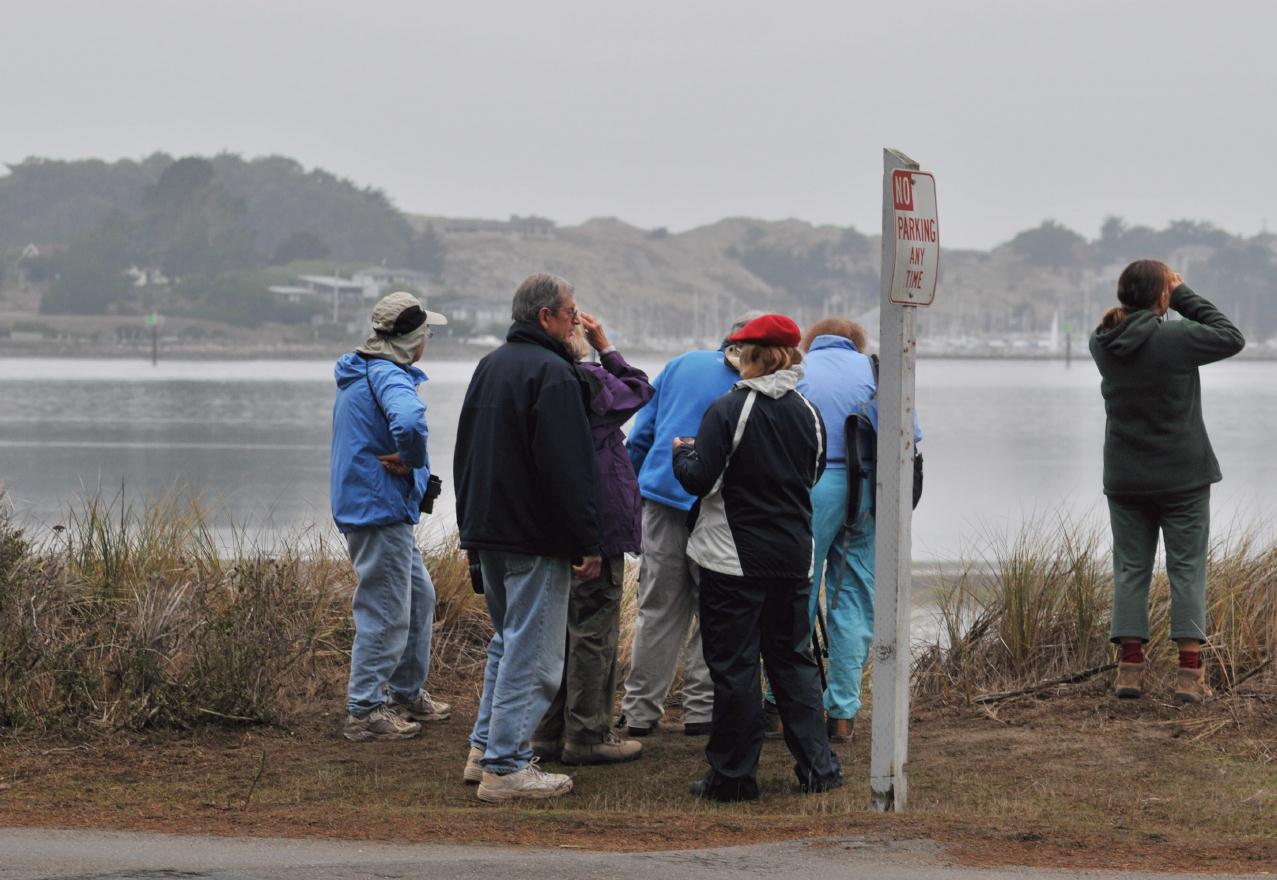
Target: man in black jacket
[(526, 502)]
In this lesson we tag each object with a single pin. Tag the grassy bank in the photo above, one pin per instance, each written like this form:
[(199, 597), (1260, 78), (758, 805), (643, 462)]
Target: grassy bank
[(149, 681)]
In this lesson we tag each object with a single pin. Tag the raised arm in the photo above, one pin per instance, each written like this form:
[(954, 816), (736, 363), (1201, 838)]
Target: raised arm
[(1208, 334)]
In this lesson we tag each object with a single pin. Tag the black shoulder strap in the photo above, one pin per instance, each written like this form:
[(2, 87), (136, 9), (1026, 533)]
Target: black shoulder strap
[(373, 391)]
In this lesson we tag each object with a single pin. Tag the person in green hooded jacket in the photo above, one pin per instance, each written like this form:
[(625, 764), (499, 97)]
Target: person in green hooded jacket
[(1158, 461)]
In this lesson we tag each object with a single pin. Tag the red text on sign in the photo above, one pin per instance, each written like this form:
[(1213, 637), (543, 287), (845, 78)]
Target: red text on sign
[(902, 190)]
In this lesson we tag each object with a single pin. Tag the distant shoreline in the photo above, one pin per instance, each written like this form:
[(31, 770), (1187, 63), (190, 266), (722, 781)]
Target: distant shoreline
[(446, 351)]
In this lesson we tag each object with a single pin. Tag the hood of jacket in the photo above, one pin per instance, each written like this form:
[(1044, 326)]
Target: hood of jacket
[(777, 384), (1129, 336), (353, 366)]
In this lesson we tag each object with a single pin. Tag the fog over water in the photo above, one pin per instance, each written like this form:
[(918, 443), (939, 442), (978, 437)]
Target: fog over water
[(1005, 441)]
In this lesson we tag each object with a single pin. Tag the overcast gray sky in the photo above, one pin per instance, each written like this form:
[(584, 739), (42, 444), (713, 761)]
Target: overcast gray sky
[(680, 113)]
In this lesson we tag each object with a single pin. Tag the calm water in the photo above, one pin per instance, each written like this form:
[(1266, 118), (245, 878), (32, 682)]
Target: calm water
[(1005, 441)]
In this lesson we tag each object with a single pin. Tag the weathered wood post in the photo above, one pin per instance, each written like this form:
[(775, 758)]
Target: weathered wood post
[(910, 262)]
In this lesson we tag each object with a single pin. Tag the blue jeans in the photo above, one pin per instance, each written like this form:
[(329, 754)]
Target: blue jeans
[(527, 600), (394, 607), (844, 562)]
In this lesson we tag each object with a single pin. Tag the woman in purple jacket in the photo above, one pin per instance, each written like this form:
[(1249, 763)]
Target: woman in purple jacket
[(576, 728)]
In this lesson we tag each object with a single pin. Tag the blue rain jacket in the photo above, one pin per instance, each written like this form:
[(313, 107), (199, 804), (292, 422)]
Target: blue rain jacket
[(363, 492), (684, 391)]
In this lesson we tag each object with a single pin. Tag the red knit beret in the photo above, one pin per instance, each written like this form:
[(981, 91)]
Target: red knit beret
[(769, 330)]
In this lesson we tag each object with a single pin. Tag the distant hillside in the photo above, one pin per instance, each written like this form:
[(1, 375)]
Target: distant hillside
[(657, 285), (225, 239)]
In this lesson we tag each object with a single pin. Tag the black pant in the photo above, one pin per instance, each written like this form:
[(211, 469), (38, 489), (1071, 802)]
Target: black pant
[(741, 618)]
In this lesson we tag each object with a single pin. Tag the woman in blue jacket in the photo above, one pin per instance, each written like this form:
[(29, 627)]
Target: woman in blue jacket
[(379, 473)]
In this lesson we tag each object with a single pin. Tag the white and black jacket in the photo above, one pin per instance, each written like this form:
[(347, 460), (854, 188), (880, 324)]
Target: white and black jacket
[(759, 451)]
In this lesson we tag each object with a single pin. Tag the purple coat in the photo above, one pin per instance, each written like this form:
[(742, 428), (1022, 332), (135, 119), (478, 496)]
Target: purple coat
[(623, 391)]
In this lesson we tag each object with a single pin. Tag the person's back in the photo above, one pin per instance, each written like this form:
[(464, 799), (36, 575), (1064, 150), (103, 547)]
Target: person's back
[(1155, 438), (521, 461), (839, 380), (759, 522), (685, 388)]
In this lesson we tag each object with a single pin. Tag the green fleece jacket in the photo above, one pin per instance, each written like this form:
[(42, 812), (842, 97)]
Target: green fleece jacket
[(1155, 441)]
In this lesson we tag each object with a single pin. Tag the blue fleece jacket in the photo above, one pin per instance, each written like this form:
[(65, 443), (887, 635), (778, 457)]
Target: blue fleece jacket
[(839, 380), (363, 492), (684, 390)]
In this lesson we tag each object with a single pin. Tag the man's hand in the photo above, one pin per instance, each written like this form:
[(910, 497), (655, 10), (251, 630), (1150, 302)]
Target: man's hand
[(594, 332), (683, 441), (1174, 280), (395, 464), (589, 568)]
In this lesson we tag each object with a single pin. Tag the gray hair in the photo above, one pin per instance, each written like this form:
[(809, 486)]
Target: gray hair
[(537, 292), (744, 319)]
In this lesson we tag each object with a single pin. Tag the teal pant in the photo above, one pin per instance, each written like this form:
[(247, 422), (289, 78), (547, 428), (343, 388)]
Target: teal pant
[(1184, 522), (844, 564)]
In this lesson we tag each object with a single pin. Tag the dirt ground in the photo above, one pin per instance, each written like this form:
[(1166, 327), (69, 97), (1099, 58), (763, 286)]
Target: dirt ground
[(1073, 779)]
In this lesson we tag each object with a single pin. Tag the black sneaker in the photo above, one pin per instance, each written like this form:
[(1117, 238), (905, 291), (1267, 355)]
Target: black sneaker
[(697, 728), (771, 721), (631, 729), (701, 789)]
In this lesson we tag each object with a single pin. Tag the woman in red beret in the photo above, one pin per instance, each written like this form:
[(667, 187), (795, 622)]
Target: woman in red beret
[(752, 464)]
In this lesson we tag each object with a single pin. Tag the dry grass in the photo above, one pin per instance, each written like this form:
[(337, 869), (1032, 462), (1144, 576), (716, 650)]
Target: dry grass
[(1039, 608)]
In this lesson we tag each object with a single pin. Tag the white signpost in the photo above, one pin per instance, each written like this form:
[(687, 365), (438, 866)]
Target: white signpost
[(910, 262)]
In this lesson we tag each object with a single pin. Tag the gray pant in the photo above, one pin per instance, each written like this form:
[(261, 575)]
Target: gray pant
[(1184, 521), (667, 629)]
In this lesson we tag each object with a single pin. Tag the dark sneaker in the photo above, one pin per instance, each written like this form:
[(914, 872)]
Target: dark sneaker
[(613, 750), (723, 794), (771, 721), (697, 728), (380, 723), (633, 729), (546, 749), (422, 708)]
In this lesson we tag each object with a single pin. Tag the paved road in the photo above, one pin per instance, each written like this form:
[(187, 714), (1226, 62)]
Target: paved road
[(35, 854)]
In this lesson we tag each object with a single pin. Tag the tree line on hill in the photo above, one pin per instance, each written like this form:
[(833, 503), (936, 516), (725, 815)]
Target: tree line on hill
[(214, 230)]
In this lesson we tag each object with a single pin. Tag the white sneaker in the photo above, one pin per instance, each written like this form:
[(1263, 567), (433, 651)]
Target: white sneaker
[(422, 707), (530, 782), (473, 774)]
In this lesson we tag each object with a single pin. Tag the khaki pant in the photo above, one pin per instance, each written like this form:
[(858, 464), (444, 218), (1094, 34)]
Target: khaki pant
[(666, 630), (581, 712)]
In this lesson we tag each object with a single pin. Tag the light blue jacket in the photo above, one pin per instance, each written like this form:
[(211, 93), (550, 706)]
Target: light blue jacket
[(684, 390), (363, 492), (839, 380)]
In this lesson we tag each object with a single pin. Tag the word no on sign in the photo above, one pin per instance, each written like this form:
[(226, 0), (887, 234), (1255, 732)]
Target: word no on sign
[(917, 239)]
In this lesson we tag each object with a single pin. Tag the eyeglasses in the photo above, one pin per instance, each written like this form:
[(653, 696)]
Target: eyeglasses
[(574, 314)]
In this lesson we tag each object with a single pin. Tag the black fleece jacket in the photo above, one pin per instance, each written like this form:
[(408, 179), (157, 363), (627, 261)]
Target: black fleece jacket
[(1155, 440), (524, 464)]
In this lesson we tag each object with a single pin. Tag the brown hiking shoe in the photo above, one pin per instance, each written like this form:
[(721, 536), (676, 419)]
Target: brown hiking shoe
[(613, 750), (771, 721), (840, 730), (422, 707), (1129, 683), (473, 774), (1190, 685)]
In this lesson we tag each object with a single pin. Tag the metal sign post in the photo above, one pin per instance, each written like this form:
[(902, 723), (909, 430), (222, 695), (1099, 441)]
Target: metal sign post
[(910, 262)]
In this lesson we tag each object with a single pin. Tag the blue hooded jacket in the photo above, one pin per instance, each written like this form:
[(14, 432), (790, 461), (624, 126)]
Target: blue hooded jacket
[(684, 391), (363, 492)]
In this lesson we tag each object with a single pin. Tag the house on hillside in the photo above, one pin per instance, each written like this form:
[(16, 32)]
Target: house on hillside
[(380, 280), (473, 310), (345, 293)]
